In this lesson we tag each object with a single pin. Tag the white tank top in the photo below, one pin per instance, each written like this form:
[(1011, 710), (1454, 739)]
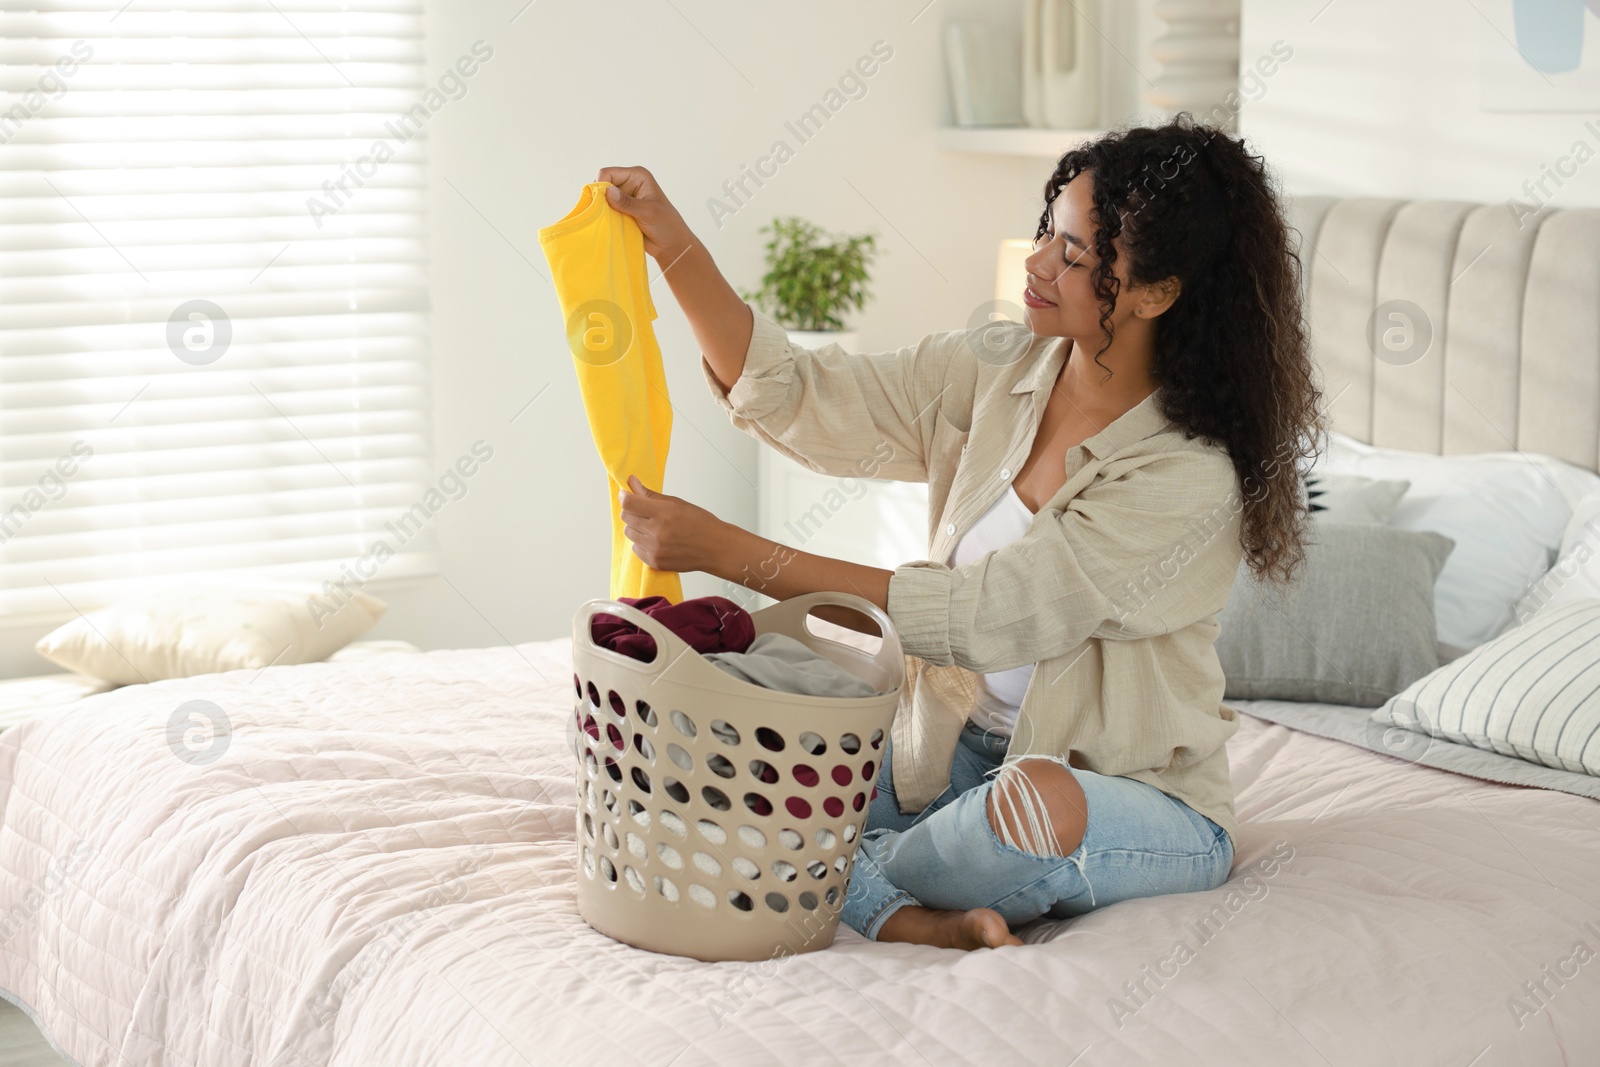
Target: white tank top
[(1000, 692)]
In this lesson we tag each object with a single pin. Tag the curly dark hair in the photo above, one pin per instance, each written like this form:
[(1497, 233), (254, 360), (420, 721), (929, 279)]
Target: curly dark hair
[(1232, 354)]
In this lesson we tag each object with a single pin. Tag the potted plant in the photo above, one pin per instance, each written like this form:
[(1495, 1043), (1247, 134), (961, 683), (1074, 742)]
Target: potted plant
[(811, 282)]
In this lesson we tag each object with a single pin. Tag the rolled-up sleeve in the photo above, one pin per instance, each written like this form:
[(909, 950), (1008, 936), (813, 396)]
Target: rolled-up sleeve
[(1141, 552), (838, 413)]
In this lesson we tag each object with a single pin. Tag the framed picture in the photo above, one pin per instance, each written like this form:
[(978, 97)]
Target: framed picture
[(1540, 55)]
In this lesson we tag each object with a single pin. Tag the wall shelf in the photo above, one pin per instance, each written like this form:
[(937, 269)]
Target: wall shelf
[(1011, 140)]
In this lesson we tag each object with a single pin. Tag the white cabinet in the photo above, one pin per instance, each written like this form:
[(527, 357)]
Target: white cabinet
[(864, 520), (873, 521)]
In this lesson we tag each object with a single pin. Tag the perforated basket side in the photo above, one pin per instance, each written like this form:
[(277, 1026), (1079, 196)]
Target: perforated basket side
[(718, 822)]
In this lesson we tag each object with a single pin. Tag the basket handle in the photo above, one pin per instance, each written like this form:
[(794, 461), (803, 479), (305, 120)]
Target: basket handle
[(669, 646), (792, 613)]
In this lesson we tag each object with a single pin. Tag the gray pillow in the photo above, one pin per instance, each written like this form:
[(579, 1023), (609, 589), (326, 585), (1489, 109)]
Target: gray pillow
[(1332, 496), (1355, 627)]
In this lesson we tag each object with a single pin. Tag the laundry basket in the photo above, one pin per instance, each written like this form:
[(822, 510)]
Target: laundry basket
[(717, 818)]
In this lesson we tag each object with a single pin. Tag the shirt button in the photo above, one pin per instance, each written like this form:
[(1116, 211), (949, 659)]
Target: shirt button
[(1005, 472), (951, 529)]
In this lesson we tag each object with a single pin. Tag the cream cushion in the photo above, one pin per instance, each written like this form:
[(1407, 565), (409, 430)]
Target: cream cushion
[(205, 629)]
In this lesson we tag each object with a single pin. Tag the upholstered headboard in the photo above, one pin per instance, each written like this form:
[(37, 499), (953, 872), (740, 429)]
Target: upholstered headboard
[(1513, 311)]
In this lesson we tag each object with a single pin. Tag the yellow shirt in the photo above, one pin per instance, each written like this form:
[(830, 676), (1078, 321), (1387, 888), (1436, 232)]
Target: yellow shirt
[(597, 262), (1112, 593)]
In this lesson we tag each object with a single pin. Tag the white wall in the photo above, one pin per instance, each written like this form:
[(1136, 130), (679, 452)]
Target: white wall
[(1383, 99)]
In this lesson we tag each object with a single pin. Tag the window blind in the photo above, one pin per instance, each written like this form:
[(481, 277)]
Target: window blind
[(201, 375)]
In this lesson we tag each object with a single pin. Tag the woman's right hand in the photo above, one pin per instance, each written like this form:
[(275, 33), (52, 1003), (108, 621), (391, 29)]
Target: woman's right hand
[(635, 192), (722, 323)]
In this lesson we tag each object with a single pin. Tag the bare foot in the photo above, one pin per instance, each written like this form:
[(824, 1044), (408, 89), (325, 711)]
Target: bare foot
[(976, 928)]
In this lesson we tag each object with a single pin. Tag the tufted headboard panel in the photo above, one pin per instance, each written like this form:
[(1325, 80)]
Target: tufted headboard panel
[(1512, 314)]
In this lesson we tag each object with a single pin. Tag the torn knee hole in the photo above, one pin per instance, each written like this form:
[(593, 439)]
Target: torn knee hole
[(1023, 817)]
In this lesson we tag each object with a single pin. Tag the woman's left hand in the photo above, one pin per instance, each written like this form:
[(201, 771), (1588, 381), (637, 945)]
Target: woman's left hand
[(668, 532)]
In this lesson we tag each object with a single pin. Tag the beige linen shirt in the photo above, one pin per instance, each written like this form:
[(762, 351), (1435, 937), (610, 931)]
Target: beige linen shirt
[(1112, 593)]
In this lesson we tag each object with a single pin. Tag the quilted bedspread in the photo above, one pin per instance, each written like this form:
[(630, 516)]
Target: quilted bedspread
[(372, 863)]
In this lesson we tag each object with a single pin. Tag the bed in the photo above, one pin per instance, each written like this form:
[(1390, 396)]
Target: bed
[(373, 862), (379, 870)]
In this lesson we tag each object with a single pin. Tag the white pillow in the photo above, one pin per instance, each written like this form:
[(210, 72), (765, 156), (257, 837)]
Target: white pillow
[(1506, 512), (1350, 498), (204, 629), (1576, 573), (1533, 693)]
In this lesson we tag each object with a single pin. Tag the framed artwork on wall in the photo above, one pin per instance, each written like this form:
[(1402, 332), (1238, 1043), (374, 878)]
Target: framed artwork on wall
[(1540, 55)]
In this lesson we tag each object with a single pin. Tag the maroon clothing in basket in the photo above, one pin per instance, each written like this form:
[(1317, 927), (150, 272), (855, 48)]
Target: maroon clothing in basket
[(706, 624)]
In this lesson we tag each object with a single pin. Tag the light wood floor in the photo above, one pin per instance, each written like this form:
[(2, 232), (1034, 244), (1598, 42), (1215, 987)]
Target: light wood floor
[(21, 1044)]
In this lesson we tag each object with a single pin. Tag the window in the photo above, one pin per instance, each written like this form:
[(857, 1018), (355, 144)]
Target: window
[(213, 337)]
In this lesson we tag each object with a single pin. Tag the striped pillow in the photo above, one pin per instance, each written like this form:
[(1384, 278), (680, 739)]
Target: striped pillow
[(1532, 693)]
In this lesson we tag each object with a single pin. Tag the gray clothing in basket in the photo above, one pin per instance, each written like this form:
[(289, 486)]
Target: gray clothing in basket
[(778, 661)]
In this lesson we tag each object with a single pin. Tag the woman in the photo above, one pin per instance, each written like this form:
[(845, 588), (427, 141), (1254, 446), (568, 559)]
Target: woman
[(1094, 478)]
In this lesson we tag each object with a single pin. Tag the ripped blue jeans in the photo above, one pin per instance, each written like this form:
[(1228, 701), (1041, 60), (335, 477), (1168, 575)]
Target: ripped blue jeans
[(1137, 842)]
